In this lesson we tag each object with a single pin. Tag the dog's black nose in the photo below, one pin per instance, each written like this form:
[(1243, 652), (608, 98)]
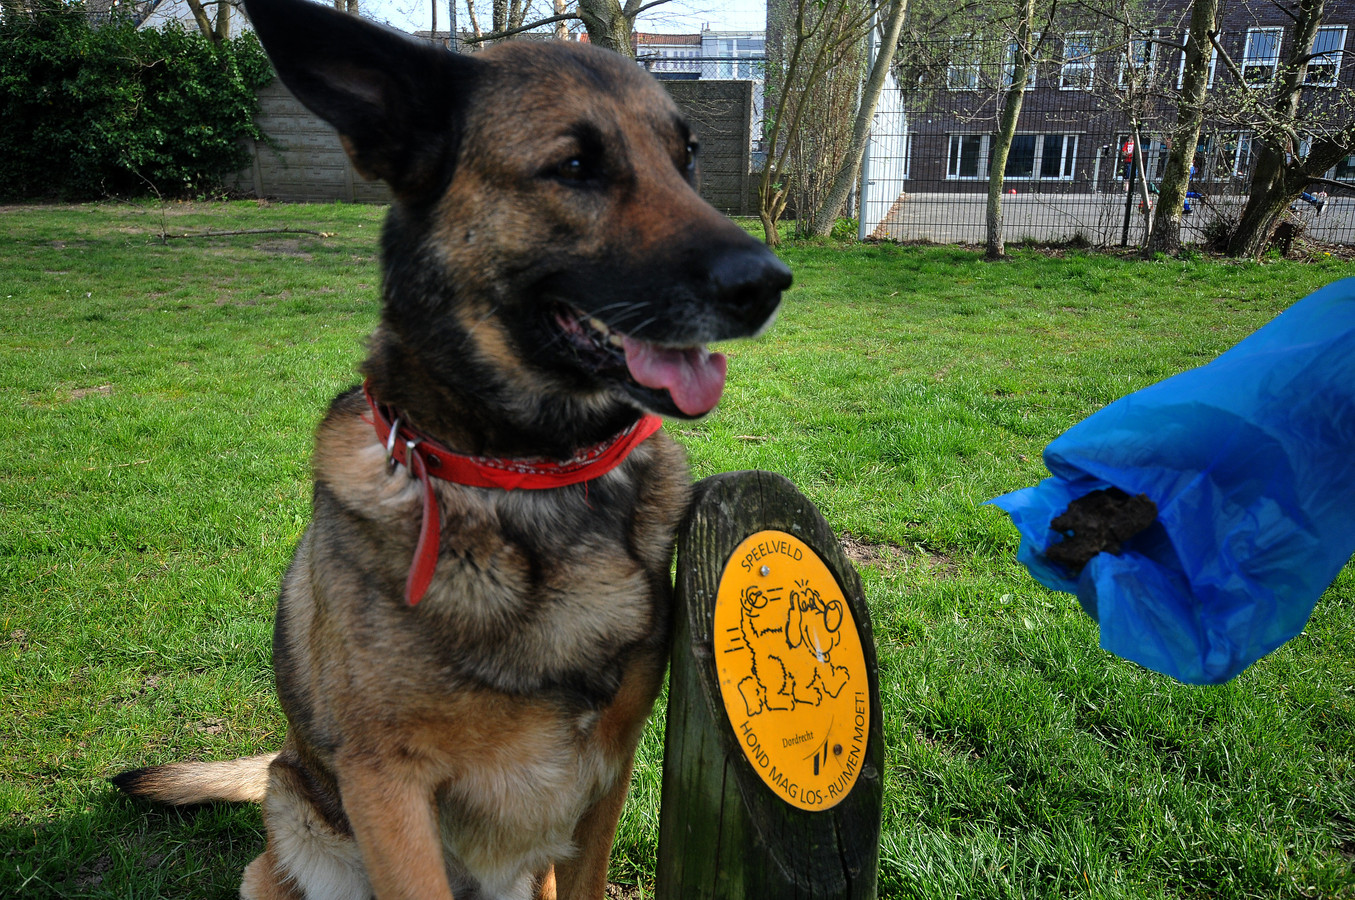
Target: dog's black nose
[(748, 281)]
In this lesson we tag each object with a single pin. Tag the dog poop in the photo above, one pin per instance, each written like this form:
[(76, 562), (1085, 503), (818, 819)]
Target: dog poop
[(1099, 522)]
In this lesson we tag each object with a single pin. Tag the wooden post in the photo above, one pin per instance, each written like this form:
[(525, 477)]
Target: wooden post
[(774, 750)]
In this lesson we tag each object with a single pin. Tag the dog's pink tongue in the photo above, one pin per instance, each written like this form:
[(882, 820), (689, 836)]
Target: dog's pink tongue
[(693, 376)]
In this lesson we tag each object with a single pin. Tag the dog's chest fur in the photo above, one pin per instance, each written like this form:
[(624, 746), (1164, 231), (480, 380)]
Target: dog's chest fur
[(522, 676)]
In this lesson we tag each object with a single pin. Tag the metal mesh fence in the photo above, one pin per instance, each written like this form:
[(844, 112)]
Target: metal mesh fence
[(927, 166), (1067, 176)]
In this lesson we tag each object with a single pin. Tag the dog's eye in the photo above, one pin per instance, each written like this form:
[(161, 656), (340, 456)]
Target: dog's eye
[(689, 159), (571, 169), (581, 169)]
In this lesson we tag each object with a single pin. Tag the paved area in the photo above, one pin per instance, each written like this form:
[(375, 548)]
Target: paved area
[(959, 218)]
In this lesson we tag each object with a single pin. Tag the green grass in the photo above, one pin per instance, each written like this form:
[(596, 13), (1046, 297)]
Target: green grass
[(155, 422)]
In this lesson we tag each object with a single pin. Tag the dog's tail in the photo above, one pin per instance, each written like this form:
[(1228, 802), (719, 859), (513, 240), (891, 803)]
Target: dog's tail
[(241, 780)]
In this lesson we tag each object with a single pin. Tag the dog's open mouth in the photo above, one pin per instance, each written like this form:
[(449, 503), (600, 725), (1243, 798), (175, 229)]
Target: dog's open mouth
[(692, 376)]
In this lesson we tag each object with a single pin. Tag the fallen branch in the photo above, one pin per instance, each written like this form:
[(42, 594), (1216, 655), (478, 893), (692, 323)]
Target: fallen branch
[(323, 234)]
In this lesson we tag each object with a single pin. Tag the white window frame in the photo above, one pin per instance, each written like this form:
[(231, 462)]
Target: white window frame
[(963, 75), (953, 158), (1071, 69), (1009, 62), (1253, 61), (1213, 63), (1067, 165), (1330, 57), (1242, 156), (1067, 157), (1034, 158), (1149, 64), (1153, 151)]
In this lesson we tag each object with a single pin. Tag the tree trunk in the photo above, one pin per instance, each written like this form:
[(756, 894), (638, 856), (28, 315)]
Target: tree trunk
[(561, 27), (1280, 175), (826, 215), (1276, 184), (223, 21), (1271, 193), (204, 24), (1145, 195), (1171, 197), (1006, 130), (607, 25)]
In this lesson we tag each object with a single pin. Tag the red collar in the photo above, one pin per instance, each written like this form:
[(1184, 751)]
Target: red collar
[(426, 459)]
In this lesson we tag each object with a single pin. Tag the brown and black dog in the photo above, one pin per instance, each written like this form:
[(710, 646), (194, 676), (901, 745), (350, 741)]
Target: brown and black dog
[(550, 277)]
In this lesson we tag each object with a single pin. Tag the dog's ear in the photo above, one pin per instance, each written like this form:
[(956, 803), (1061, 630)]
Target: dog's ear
[(395, 99)]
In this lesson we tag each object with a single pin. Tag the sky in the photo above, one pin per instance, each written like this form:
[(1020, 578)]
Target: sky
[(674, 17)]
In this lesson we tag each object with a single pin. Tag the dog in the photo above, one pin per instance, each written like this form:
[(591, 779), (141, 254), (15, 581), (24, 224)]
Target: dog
[(474, 627), (791, 641)]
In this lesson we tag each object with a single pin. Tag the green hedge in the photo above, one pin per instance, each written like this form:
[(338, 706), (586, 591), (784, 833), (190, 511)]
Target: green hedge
[(115, 111)]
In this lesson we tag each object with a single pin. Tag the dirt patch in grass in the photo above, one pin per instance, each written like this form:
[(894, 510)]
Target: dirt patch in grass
[(103, 390), (91, 874), (889, 556), (624, 892), (283, 247)]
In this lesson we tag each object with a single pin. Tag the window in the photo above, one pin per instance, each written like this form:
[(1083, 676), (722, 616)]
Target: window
[(1153, 152), (1242, 158), (1031, 156), (1142, 53), (1009, 62), (962, 74), (1261, 56), (1213, 64), (1021, 157), (1345, 169), (1058, 154), (1079, 61), (1325, 65), (1227, 155), (968, 156)]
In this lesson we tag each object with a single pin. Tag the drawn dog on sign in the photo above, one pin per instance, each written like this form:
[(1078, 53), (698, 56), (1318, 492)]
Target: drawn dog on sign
[(791, 641), (474, 627)]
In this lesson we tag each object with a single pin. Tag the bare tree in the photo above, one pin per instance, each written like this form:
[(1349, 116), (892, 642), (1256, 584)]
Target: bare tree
[(218, 29), (1190, 111), (1298, 141), (850, 170), (986, 52), (609, 23), (815, 49), (1023, 52)]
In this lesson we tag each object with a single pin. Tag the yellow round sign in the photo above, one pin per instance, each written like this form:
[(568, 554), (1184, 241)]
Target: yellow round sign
[(792, 673)]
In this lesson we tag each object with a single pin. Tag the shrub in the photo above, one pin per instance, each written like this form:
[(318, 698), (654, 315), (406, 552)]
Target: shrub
[(113, 110), (844, 230)]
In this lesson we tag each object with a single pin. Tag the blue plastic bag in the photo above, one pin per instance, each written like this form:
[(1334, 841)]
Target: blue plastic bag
[(1251, 463)]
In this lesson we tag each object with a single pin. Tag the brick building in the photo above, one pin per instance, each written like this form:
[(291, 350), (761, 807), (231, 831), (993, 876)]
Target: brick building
[(1075, 122)]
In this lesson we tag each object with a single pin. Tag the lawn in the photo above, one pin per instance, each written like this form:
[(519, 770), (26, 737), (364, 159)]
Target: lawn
[(155, 417)]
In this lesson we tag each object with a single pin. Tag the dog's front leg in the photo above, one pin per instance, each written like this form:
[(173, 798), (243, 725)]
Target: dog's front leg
[(585, 876), (390, 806)]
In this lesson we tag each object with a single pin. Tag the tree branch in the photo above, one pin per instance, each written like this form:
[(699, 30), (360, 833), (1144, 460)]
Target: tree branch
[(633, 7), (207, 234), (512, 31), (1328, 182)]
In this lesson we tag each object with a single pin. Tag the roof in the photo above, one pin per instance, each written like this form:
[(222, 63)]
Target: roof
[(643, 38)]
